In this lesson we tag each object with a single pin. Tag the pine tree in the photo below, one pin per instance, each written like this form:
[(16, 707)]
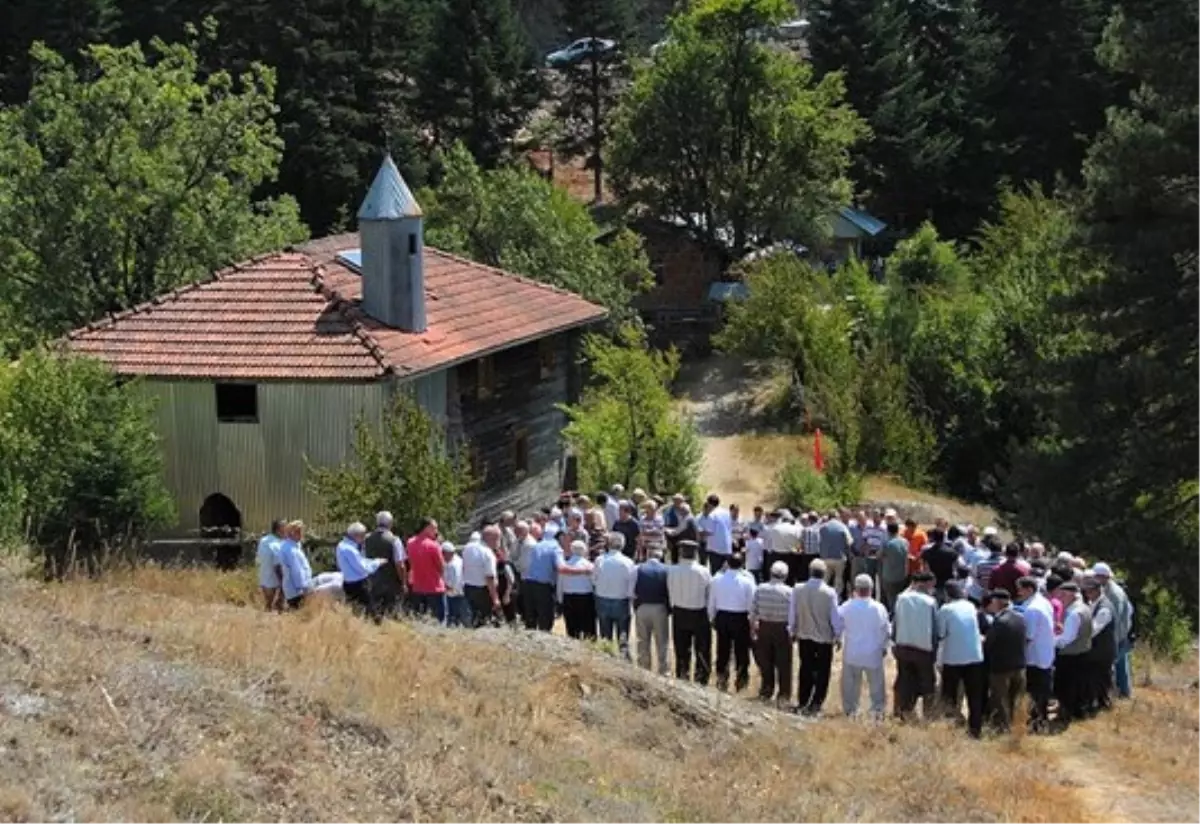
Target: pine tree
[(477, 81), (871, 42), (1055, 91), (588, 89), (1117, 471), (66, 26)]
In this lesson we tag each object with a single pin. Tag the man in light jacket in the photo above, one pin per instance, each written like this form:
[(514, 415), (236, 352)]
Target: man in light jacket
[(815, 623)]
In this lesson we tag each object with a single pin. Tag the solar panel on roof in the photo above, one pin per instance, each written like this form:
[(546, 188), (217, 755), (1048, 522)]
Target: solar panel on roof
[(351, 258)]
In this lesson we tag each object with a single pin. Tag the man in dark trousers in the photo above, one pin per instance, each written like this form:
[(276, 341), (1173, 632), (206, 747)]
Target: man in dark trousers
[(1103, 653), (1070, 663), (914, 633), (815, 623), (387, 584), (769, 631), (1004, 654), (688, 585), (729, 602)]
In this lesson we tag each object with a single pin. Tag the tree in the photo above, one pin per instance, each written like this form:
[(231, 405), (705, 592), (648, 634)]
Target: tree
[(1117, 469), (827, 332), (345, 70), (512, 218), (871, 43), (66, 26), (624, 429), (588, 89), (402, 465), (1054, 91), (732, 137), (82, 467), (477, 82), (118, 188), (925, 75)]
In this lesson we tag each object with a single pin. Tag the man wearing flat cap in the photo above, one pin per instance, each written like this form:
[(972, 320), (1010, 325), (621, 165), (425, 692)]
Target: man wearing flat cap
[(1072, 647)]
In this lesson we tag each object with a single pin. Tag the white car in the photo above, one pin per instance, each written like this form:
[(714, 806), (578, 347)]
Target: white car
[(581, 49)]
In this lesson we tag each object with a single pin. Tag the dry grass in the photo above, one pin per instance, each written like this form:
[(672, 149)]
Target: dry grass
[(222, 712)]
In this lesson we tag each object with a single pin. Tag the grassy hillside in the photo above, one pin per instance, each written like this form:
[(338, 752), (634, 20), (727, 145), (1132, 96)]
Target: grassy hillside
[(157, 696)]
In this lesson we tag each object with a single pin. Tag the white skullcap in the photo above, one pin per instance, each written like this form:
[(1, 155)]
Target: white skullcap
[(448, 546), (889, 513), (617, 489), (1102, 570), (383, 519), (989, 531), (356, 528), (863, 582), (779, 570), (1065, 556)]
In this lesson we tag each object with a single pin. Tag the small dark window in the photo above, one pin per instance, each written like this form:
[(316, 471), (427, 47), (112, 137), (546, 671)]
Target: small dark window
[(520, 453), (237, 403), (412, 244), (547, 357), (659, 270), (485, 384)]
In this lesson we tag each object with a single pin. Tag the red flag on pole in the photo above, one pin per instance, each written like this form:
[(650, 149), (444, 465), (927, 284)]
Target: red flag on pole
[(818, 458)]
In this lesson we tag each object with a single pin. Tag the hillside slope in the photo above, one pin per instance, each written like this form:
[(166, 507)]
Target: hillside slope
[(125, 702)]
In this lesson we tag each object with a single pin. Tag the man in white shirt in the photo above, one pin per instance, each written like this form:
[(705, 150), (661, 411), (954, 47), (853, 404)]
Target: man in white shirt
[(688, 586), (297, 575), (613, 579), (1039, 651), (479, 575), (716, 530), (270, 571), (575, 592), (730, 600), (755, 554), (865, 633), (458, 611)]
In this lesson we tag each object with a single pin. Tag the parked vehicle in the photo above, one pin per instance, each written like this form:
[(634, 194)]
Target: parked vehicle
[(581, 49)]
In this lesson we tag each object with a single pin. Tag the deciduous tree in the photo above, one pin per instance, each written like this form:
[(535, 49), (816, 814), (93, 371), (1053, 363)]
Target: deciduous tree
[(510, 217), (731, 137), (131, 178)]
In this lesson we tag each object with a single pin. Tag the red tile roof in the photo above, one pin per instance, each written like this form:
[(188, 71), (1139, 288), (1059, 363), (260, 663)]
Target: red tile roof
[(295, 315)]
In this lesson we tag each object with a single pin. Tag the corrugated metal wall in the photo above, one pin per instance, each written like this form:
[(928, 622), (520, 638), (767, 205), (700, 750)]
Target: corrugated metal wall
[(259, 466)]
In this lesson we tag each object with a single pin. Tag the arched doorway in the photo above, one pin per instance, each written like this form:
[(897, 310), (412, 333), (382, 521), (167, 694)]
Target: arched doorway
[(221, 522)]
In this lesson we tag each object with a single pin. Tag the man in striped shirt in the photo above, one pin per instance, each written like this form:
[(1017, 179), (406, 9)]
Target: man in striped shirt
[(769, 612)]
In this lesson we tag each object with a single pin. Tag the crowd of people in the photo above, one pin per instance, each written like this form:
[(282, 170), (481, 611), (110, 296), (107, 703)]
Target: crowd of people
[(968, 619)]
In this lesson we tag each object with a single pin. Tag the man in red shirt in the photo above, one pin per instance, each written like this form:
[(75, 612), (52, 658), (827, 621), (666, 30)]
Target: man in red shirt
[(1008, 573), (425, 568)]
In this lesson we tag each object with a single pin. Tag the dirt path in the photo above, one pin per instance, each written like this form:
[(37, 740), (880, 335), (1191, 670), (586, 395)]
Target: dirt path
[(1109, 793)]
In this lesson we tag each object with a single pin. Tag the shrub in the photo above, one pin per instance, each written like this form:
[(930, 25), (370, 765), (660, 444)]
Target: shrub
[(404, 466), (625, 429), (800, 488), (1164, 626), (81, 471)]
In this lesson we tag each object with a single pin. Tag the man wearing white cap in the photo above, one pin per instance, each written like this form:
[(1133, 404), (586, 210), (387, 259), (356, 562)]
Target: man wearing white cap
[(356, 570), (1122, 626), (865, 632), (769, 614)]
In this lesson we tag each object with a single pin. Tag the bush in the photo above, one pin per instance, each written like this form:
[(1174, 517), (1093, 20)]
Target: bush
[(404, 466), (801, 488), (1164, 627), (81, 472), (625, 429)]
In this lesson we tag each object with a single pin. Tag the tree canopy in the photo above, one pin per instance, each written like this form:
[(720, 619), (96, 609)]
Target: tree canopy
[(510, 217), (130, 177), (732, 137)]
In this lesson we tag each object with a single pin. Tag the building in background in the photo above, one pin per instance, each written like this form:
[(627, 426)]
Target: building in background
[(264, 368)]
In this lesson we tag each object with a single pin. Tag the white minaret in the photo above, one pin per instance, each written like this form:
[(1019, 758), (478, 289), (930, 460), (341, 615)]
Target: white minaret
[(391, 234)]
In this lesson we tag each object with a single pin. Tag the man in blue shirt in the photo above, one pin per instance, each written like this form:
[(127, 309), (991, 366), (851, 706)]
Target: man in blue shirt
[(297, 573), (356, 570), (538, 586), (961, 656)]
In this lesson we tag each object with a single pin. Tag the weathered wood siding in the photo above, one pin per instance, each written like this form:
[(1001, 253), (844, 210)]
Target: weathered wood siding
[(259, 466), (522, 401)]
